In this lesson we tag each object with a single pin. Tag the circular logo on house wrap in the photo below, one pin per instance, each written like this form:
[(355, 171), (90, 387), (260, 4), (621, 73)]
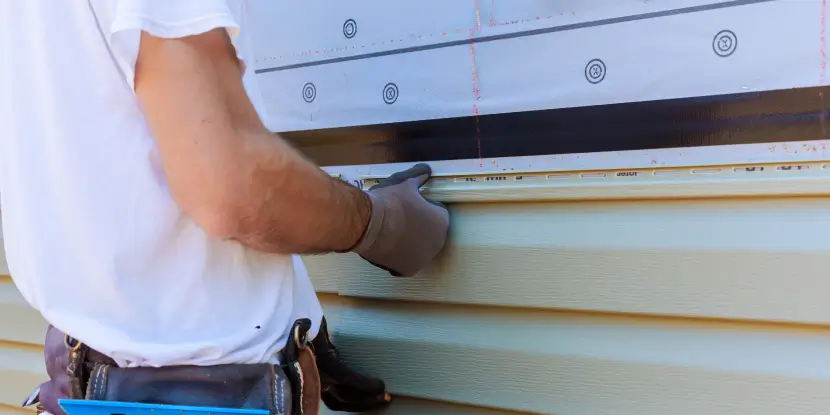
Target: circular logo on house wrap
[(349, 28), (725, 43), (309, 92), (390, 93), (595, 71)]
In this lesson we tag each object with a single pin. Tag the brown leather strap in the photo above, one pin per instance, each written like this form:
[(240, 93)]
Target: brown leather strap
[(310, 397), (300, 366)]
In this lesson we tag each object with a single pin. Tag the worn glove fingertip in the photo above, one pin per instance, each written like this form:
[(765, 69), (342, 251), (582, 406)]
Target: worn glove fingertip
[(421, 173), (421, 168)]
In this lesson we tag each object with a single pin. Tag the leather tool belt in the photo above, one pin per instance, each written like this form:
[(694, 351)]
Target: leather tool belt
[(291, 388)]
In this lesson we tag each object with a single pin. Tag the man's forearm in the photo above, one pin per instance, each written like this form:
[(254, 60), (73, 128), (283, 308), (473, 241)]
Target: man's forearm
[(290, 205)]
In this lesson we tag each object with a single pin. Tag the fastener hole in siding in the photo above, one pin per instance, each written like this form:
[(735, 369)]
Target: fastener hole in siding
[(706, 171), (793, 167), (560, 176), (593, 175), (749, 169)]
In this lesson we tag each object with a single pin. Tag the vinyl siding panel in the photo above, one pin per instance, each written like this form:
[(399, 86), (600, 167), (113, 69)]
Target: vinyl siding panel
[(23, 368), (14, 410), (713, 306), (21, 349), (574, 308), (561, 362), (22, 331), (4, 267), (21, 324), (700, 258)]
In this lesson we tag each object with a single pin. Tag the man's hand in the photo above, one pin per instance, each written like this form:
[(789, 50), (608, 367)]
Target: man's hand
[(406, 231)]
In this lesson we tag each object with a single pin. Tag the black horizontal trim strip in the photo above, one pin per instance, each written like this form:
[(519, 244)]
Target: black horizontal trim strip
[(755, 117), (519, 34)]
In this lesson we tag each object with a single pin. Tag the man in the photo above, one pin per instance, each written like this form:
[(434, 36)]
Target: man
[(154, 221)]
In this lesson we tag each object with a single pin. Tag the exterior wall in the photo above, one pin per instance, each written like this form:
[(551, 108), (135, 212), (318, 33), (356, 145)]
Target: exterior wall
[(594, 308), (577, 308), (21, 340)]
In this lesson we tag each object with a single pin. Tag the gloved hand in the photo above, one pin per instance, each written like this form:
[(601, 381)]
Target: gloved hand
[(406, 231), (343, 389)]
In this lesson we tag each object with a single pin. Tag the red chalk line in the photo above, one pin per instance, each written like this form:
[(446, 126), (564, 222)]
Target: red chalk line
[(476, 89)]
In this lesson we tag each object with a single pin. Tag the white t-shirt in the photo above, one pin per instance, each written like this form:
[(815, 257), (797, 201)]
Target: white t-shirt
[(93, 239)]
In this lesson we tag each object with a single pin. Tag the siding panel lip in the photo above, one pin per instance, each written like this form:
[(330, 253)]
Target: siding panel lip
[(732, 188), (713, 181)]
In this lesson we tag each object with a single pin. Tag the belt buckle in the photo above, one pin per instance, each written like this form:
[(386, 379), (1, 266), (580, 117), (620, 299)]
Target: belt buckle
[(71, 343)]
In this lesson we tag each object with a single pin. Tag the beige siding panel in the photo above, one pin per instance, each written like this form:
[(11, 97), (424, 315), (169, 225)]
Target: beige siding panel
[(21, 369), (22, 332), (586, 364), (338, 307), (16, 410), (759, 259), (323, 281), (4, 267), (20, 322)]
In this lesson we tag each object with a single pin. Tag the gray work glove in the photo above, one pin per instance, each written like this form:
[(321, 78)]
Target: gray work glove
[(342, 388), (406, 231)]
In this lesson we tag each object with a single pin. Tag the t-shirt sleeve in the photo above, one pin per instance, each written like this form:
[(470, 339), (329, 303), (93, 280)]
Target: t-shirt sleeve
[(165, 19)]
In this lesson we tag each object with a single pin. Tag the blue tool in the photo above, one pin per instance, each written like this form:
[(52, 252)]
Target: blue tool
[(84, 407)]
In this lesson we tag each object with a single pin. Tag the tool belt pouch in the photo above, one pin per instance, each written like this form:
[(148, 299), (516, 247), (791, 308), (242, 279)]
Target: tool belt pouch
[(249, 386), (293, 388)]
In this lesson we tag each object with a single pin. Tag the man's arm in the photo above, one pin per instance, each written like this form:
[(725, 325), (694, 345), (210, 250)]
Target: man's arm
[(224, 168)]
